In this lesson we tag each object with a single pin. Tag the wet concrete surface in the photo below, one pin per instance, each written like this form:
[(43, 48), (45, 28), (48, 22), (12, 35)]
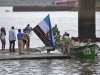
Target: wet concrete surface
[(33, 53)]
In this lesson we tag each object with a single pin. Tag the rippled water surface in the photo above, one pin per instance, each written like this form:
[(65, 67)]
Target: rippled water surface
[(67, 21), (50, 67)]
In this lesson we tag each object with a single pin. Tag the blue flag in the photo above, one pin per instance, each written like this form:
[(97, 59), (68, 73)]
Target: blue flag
[(44, 32)]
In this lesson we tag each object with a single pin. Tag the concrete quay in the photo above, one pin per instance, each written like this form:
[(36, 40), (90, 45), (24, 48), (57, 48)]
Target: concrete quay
[(32, 55)]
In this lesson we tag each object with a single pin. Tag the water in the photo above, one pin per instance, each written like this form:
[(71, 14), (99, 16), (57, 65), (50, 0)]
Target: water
[(67, 21), (50, 67)]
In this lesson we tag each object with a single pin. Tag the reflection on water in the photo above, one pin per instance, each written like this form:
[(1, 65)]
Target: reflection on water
[(50, 67)]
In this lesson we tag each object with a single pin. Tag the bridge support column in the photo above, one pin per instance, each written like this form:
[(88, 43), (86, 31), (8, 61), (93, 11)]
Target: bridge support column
[(86, 19)]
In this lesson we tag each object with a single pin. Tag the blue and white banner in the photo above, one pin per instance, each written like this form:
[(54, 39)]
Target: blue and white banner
[(44, 31)]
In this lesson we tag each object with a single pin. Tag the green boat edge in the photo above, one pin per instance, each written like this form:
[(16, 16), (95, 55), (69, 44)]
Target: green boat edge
[(89, 51)]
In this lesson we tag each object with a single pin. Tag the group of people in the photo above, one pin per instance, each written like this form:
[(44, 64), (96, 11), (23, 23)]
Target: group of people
[(22, 37), (66, 42)]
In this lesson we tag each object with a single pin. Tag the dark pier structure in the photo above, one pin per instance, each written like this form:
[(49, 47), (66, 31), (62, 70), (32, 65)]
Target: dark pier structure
[(41, 8), (86, 20)]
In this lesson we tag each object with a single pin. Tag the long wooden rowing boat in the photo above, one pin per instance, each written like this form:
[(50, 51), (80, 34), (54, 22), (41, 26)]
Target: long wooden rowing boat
[(89, 51)]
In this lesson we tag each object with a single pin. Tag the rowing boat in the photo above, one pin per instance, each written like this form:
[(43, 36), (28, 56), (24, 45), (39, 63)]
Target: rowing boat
[(44, 31), (89, 51)]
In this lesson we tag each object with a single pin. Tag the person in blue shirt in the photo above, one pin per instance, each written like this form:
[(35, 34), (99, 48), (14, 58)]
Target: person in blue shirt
[(20, 42)]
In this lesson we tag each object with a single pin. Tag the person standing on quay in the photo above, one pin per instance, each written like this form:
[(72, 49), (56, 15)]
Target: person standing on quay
[(55, 29), (3, 41), (25, 39), (28, 31), (20, 41), (12, 39)]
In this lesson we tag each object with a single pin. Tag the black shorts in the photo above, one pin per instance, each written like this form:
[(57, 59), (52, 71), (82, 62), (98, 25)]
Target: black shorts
[(24, 41)]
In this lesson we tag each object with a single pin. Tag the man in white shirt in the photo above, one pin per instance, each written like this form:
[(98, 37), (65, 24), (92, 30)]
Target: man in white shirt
[(12, 39)]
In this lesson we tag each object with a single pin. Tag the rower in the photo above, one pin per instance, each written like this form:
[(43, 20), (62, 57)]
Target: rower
[(66, 43), (58, 39), (89, 42)]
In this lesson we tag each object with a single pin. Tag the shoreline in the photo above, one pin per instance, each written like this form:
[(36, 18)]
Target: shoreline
[(30, 56), (76, 8), (25, 8), (42, 8), (22, 8)]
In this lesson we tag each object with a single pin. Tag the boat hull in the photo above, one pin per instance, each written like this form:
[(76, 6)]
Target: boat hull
[(81, 52), (86, 51)]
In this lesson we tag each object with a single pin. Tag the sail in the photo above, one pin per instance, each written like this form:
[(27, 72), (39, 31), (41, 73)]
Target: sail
[(44, 31)]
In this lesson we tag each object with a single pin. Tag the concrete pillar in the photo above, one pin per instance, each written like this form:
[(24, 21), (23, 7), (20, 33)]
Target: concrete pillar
[(86, 19)]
